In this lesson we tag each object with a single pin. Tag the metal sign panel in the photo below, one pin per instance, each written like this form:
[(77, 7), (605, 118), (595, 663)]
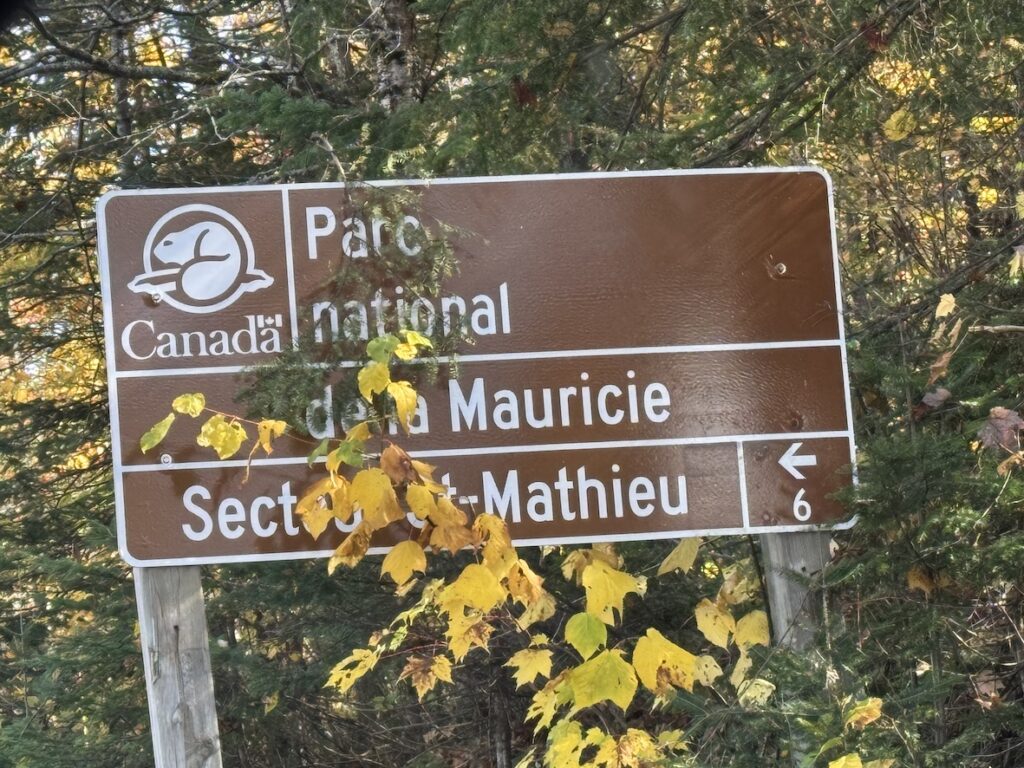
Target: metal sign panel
[(656, 354)]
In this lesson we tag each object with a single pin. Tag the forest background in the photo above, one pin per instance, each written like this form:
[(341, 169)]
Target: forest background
[(914, 106)]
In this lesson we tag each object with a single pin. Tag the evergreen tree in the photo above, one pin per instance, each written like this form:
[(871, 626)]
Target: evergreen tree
[(914, 106)]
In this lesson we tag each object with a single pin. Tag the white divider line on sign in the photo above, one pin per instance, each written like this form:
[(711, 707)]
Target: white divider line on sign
[(741, 463), (293, 311), (505, 449), (507, 356)]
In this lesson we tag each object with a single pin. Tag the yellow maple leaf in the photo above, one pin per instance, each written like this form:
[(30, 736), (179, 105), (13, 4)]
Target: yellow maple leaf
[(155, 434), (606, 677), (548, 700), (660, 663), (360, 433), (465, 632), (224, 436), (443, 668), (850, 760), (426, 473), (755, 692), (416, 338), (682, 557), (316, 519), (406, 351), (352, 549), (312, 509), (752, 630), (402, 560), (420, 501), (267, 430), (1017, 260), (529, 664), (541, 609), (191, 404), (347, 671), (492, 531), (742, 667), (636, 749), (576, 562), (397, 465), (586, 633), (371, 491), (424, 672), (607, 753), (450, 537), (740, 584), (672, 739), (341, 507), (476, 587), (947, 305), (706, 671), (373, 379), (524, 585), (405, 401), (500, 560), (714, 623), (607, 587), (565, 745), (900, 124), (863, 713), (447, 513)]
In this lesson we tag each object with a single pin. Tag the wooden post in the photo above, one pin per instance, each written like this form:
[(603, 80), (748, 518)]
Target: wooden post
[(179, 679), (789, 561)]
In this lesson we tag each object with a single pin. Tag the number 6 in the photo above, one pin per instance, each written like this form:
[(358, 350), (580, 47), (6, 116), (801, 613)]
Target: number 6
[(801, 509)]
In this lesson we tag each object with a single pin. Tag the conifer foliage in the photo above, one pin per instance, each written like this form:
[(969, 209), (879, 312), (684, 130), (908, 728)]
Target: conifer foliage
[(915, 108)]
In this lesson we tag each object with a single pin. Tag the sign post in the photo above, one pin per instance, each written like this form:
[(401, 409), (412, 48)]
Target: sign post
[(655, 355), (176, 658)]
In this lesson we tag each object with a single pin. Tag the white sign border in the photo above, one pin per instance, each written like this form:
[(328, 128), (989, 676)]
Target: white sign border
[(112, 373)]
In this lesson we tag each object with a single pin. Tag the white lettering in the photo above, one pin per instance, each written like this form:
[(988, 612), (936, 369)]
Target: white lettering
[(258, 504), (235, 517), (483, 320), (470, 412), (126, 339), (656, 396), (641, 490), (507, 501), (230, 513), (187, 499), (314, 231), (540, 506), (357, 232), (403, 245)]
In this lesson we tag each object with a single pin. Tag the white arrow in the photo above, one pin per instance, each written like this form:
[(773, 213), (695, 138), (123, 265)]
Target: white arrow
[(791, 460)]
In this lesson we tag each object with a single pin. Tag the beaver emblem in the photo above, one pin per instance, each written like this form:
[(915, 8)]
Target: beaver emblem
[(200, 266)]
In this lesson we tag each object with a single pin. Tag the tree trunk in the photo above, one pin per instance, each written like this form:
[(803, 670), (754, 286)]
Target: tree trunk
[(393, 31)]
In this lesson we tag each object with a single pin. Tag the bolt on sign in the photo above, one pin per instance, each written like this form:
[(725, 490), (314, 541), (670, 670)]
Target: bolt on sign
[(655, 354)]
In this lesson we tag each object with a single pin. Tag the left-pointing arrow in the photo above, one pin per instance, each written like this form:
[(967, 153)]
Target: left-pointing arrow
[(791, 460)]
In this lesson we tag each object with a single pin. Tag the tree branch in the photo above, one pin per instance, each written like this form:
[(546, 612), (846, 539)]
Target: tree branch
[(670, 15), (108, 67)]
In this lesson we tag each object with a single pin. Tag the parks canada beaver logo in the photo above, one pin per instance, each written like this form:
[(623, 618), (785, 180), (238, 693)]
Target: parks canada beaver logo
[(199, 259)]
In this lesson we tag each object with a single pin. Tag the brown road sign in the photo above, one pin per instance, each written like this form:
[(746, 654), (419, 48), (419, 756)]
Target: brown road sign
[(656, 354)]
